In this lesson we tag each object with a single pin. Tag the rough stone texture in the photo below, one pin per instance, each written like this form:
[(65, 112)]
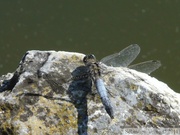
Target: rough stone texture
[(45, 100)]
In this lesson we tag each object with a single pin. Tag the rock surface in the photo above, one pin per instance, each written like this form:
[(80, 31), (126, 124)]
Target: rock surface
[(44, 96)]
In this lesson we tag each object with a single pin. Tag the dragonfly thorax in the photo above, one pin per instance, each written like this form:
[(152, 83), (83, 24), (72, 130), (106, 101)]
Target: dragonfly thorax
[(93, 66)]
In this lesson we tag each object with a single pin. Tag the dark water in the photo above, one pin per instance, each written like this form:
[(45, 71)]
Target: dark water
[(99, 27)]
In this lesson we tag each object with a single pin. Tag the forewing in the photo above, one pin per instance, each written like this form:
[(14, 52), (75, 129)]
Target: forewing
[(147, 66), (123, 58)]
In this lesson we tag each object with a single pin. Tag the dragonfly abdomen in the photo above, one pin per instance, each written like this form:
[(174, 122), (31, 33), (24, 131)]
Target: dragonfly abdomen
[(104, 97)]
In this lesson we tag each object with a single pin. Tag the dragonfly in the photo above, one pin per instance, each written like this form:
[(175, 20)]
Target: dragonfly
[(122, 59), (81, 84)]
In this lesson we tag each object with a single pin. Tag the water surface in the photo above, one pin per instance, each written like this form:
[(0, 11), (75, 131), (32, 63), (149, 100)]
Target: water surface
[(99, 27)]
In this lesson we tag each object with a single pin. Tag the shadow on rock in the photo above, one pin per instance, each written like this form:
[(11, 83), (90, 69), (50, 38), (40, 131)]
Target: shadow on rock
[(78, 90)]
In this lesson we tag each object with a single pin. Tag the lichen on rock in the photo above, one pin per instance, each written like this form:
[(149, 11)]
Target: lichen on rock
[(47, 97)]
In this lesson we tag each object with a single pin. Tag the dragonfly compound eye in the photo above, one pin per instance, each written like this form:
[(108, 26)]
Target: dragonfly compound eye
[(91, 56), (89, 59)]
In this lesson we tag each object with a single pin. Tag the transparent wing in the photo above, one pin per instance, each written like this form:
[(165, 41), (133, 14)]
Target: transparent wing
[(123, 58), (147, 66)]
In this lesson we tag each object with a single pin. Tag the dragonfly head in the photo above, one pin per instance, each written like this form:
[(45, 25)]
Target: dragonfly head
[(89, 59)]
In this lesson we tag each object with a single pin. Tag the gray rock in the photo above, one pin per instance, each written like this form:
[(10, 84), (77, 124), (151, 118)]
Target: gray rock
[(45, 96)]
